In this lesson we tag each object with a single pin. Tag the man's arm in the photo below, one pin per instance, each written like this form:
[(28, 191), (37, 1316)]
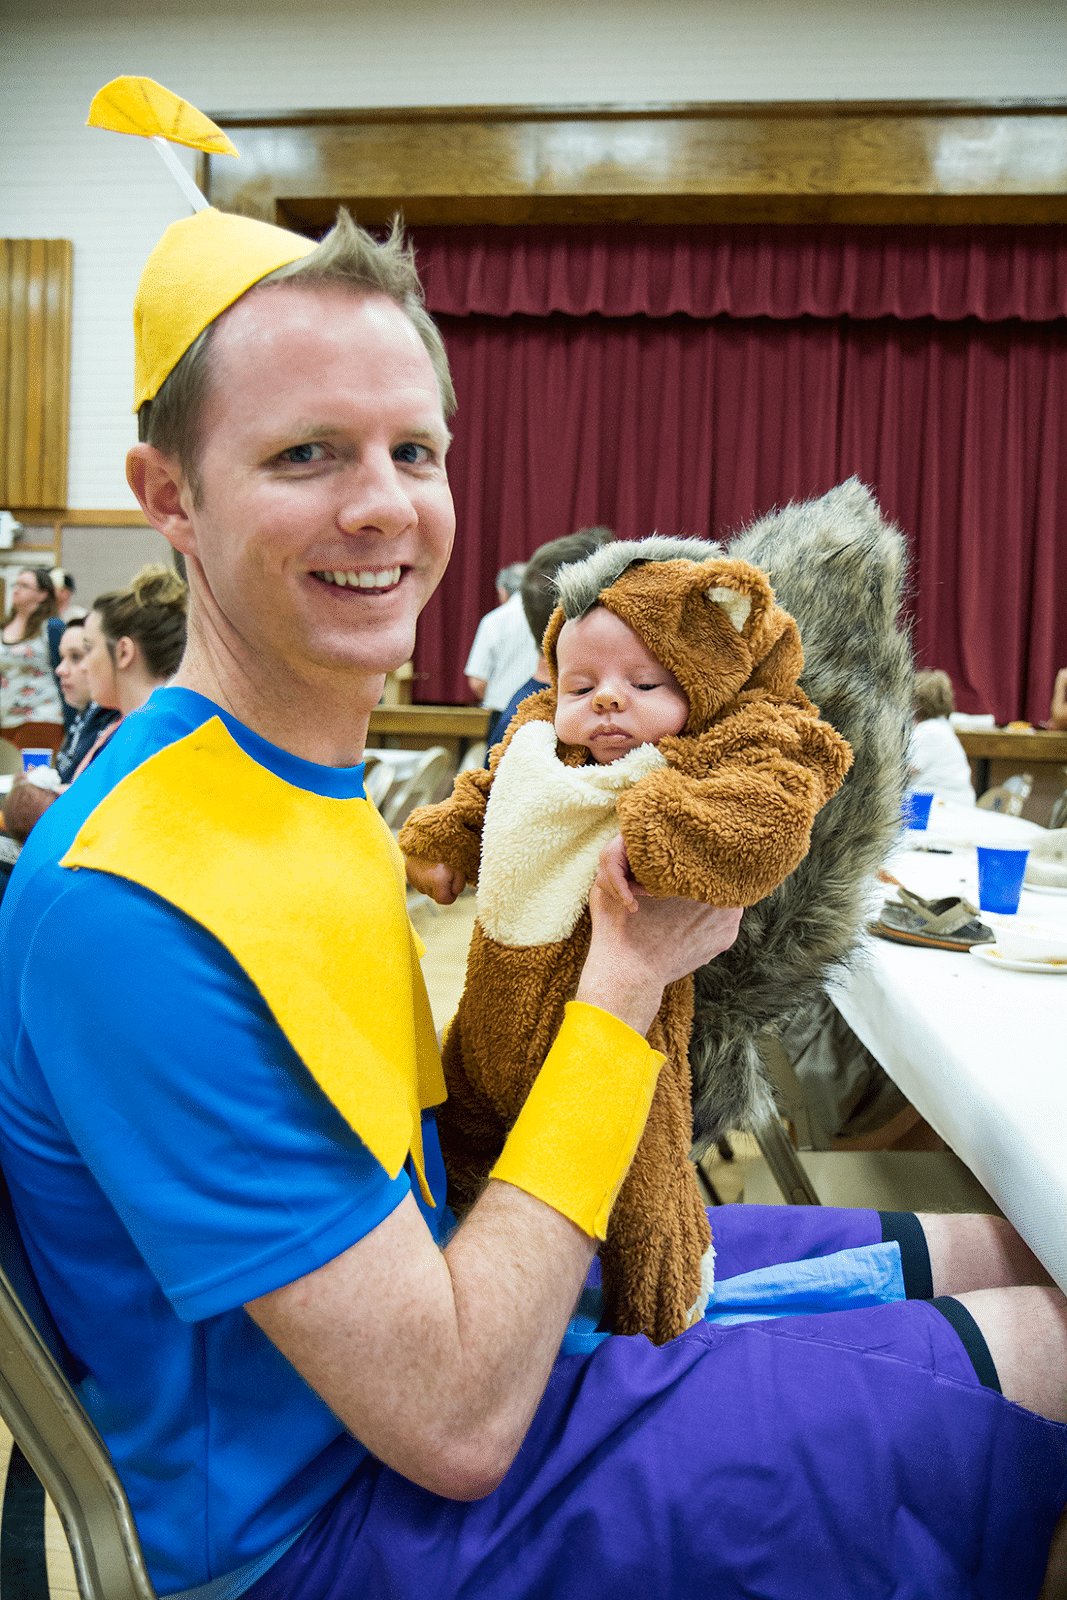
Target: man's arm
[(437, 1360)]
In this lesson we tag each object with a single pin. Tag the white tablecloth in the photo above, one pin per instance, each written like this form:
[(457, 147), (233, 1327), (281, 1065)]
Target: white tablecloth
[(981, 1052)]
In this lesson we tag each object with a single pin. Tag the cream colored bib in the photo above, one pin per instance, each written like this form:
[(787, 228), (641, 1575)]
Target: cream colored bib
[(545, 826)]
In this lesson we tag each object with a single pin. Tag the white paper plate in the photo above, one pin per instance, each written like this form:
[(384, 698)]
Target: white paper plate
[(993, 958), (1045, 888)]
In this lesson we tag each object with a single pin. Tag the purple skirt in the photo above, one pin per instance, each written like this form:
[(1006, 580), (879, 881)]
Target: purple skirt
[(822, 1457)]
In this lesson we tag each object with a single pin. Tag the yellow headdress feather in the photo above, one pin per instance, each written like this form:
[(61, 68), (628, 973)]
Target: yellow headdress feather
[(144, 107), (203, 263)]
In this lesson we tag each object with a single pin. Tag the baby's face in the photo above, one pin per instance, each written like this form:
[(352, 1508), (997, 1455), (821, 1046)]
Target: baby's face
[(613, 695)]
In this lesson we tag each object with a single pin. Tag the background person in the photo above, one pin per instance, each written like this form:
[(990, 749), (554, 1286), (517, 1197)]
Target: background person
[(134, 639), (1058, 712), (937, 762), (63, 583), (503, 653), (31, 710), (89, 719)]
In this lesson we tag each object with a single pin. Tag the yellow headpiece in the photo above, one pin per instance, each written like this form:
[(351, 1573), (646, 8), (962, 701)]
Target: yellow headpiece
[(202, 264), (199, 267)]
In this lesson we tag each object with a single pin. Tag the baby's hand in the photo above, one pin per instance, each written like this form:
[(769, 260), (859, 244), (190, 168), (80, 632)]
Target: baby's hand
[(441, 883), (614, 876)]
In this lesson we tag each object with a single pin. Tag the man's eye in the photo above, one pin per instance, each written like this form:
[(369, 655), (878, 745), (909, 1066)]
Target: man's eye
[(413, 455), (300, 454)]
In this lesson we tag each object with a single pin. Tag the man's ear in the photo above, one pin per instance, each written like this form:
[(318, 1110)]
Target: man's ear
[(159, 485)]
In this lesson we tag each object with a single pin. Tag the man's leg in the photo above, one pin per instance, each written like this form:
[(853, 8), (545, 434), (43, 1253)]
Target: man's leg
[(973, 1252), (812, 1458), (984, 1264)]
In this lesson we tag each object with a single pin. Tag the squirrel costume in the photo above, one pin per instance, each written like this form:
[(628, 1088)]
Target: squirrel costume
[(721, 812)]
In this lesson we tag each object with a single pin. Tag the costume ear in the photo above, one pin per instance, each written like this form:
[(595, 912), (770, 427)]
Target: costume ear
[(737, 606)]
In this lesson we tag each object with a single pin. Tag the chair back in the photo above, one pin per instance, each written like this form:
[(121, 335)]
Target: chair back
[(10, 759), (54, 1433), (432, 773)]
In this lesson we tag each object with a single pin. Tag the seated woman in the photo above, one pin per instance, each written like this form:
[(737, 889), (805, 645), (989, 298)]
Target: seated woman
[(89, 719), (134, 641), (31, 712), (937, 762)]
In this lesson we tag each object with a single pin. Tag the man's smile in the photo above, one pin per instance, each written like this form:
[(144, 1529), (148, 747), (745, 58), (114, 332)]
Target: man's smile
[(363, 578)]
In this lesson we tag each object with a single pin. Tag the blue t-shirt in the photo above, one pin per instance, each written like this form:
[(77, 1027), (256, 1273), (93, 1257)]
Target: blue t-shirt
[(169, 1159)]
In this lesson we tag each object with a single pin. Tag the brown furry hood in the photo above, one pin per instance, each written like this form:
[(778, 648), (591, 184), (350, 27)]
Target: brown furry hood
[(713, 623)]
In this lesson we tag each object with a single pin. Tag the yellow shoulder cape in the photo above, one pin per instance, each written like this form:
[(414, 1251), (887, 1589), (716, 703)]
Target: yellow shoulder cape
[(307, 893)]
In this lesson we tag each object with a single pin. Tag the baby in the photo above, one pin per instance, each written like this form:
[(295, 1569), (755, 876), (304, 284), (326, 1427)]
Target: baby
[(673, 747)]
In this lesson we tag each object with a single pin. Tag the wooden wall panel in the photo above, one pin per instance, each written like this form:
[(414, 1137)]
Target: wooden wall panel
[(35, 308), (834, 162)]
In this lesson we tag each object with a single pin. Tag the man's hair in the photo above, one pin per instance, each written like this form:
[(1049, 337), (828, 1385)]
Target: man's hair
[(151, 612), (538, 581), (347, 256), (931, 695), (62, 579), (509, 578)]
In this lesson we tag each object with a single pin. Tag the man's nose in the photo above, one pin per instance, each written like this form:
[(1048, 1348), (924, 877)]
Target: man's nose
[(376, 499)]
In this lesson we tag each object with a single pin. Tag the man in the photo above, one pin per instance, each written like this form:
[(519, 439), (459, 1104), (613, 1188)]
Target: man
[(503, 653), (66, 608), (217, 1146)]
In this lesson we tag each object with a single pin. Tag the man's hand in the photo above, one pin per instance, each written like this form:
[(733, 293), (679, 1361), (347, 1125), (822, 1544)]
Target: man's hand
[(614, 875), (637, 950), (433, 878)]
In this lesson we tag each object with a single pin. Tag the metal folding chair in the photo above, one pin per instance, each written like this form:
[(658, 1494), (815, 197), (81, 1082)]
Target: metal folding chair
[(54, 1433), (886, 1180)]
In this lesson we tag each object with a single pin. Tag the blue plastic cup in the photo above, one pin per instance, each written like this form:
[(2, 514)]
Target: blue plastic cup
[(916, 810), (35, 758), (1000, 878)]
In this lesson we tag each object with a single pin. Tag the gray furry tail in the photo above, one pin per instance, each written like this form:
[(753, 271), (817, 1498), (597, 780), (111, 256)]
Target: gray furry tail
[(839, 569)]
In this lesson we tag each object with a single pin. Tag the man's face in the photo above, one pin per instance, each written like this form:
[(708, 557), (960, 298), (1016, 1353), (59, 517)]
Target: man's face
[(325, 519)]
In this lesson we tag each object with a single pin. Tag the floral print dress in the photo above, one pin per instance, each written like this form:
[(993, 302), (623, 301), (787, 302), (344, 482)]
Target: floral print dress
[(28, 690)]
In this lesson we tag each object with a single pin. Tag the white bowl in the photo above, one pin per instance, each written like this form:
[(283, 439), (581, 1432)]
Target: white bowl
[(1022, 940)]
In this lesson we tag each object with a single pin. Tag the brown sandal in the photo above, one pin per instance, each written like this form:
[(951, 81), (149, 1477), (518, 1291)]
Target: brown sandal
[(949, 924)]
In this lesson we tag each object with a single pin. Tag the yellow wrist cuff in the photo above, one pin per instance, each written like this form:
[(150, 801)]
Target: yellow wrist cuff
[(575, 1137)]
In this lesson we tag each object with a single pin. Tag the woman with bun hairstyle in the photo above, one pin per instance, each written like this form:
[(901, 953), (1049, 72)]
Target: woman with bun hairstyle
[(134, 641), (31, 712)]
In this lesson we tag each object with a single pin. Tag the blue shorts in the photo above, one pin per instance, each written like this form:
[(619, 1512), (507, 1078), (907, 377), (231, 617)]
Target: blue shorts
[(820, 1457)]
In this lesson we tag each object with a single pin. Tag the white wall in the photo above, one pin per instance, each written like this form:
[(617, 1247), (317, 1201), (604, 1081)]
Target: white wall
[(59, 179)]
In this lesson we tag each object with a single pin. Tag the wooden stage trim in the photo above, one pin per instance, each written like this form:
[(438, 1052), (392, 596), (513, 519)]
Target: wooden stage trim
[(446, 722), (999, 744)]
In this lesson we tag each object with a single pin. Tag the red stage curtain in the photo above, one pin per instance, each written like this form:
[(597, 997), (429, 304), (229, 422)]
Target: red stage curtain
[(695, 426), (760, 271)]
